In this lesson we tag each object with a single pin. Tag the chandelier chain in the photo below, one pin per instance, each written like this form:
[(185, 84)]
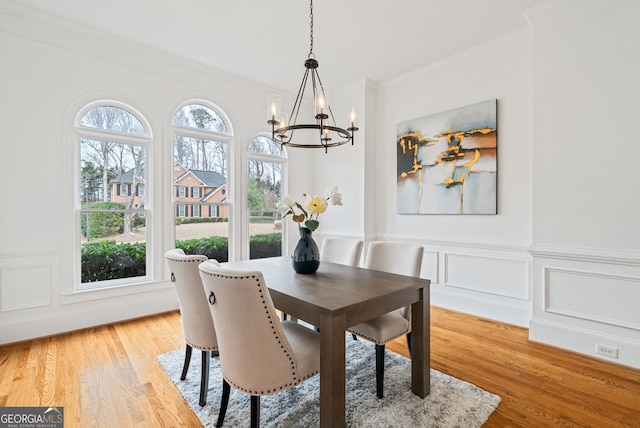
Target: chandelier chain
[(311, 29)]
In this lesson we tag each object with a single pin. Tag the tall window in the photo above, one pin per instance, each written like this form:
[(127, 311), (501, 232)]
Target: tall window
[(112, 218), (264, 192), (201, 139)]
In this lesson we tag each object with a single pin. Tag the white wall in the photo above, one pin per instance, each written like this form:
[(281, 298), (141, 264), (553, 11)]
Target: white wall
[(586, 238), (344, 166), (50, 69), (477, 263)]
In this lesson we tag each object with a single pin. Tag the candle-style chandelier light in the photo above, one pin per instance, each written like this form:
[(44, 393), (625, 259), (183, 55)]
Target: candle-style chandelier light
[(327, 133)]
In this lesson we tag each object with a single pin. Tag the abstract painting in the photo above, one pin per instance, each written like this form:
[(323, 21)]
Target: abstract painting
[(447, 162)]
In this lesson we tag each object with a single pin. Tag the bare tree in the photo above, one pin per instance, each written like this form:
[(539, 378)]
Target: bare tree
[(129, 158), (112, 119), (200, 153)]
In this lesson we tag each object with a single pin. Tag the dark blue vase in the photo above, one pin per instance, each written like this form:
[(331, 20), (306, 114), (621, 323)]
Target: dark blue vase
[(305, 256)]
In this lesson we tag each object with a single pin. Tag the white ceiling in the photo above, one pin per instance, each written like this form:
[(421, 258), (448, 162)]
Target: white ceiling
[(268, 41)]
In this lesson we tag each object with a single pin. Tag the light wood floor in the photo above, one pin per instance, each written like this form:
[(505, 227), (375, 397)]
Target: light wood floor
[(109, 377)]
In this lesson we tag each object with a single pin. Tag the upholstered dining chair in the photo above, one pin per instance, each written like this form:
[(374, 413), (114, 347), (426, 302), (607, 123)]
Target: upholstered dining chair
[(259, 354), (345, 251), (399, 258), (197, 323)]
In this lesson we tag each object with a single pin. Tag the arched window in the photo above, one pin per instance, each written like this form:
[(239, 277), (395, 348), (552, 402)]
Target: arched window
[(111, 196), (266, 172), (200, 193)]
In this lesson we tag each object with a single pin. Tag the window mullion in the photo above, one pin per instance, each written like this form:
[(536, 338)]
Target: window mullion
[(111, 136)]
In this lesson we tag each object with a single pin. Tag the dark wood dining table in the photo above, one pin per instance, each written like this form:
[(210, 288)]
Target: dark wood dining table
[(337, 297)]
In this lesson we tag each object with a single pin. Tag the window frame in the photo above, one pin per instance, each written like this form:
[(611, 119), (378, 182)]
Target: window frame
[(78, 291), (263, 157), (209, 135)]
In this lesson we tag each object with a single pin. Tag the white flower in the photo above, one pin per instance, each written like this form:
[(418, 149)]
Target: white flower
[(334, 196), (288, 203)]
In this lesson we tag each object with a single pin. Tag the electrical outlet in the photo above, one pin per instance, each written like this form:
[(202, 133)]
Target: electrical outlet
[(606, 350)]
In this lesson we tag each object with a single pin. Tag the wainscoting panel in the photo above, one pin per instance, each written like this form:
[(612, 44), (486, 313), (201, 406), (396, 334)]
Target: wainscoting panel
[(606, 298), (500, 276), (585, 298), (25, 287)]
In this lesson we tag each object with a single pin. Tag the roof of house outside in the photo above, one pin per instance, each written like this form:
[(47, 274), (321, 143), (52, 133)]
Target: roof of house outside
[(208, 178), (127, 176)]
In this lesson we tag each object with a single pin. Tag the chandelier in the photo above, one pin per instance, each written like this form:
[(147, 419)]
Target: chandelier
[(327, 133)]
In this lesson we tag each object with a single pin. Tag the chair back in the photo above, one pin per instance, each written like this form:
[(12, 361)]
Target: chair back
[(401, 258), (197, 323), (255, 355), (345, 251)]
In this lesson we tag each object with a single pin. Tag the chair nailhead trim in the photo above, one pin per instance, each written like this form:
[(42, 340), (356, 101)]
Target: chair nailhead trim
[(201, 348), (193, 345), (296, 379), (376, 341)]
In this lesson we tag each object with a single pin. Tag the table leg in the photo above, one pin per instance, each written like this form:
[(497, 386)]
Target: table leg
[(332, 371), (420, 345)]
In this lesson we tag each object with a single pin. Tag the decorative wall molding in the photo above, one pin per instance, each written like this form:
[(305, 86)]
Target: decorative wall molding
[(606, 298), (509, 247), (19, 253), (585, 254), (25, 287), (492, 275), (488, 279)]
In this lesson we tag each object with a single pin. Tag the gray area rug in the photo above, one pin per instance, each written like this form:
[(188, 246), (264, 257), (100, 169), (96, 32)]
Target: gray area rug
[(451, 403)]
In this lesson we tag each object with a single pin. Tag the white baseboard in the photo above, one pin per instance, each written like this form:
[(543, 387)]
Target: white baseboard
[(77, 317), (585, 341)]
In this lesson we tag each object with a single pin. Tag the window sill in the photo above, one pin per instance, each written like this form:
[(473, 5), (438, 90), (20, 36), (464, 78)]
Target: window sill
[(115, 291)]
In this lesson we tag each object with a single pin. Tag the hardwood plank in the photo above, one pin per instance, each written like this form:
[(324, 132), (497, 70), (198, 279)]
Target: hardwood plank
[(110, 374), (540, 385)]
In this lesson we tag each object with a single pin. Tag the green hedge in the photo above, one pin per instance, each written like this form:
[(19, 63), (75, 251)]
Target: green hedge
[(103, 260), (188, 220), (268, 245), (214, 247)]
